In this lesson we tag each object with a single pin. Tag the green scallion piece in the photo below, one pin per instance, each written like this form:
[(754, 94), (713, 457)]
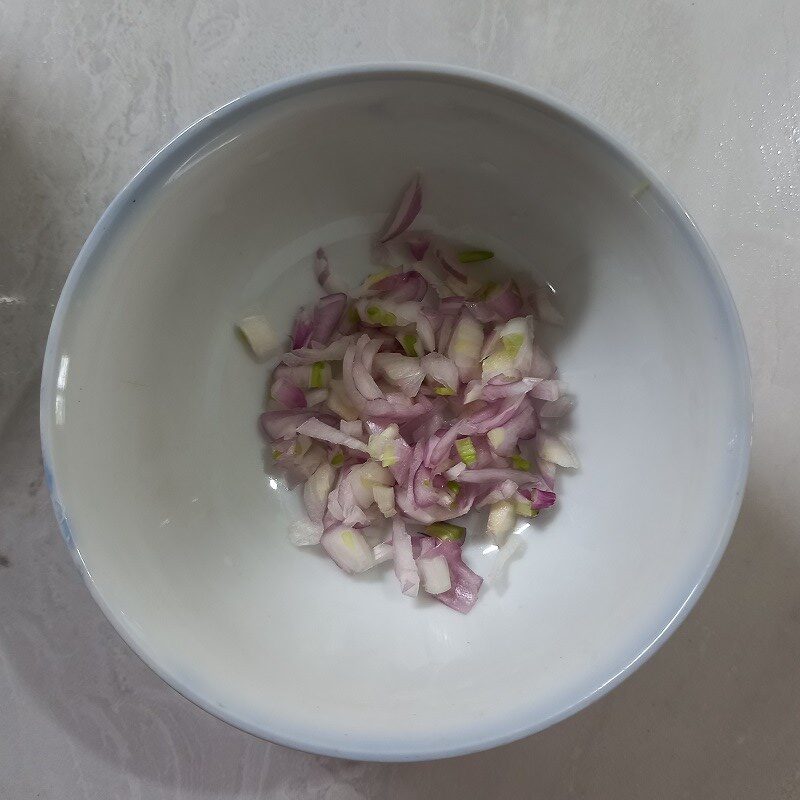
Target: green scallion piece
[(466, 451), (444, 391), (317, 372), (454, 487), (409, 342), (338, 459), (520, 463), (446, 531), (468, 256), (276, 454), (387, 319)]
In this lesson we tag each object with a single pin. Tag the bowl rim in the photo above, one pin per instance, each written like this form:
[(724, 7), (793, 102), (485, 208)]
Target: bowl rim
[(188, 140)]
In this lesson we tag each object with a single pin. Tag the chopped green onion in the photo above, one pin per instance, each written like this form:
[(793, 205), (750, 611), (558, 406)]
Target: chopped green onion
[(444, 391), (468, 256), (316, 376), (388, 319), (338, 459), (466, 451), (446, 531), (374, 313), (454, 487), (520, 463), (276, 454), (409, 342)]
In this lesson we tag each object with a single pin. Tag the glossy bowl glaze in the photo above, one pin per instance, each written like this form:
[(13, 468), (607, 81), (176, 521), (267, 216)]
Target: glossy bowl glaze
[(149, 408)]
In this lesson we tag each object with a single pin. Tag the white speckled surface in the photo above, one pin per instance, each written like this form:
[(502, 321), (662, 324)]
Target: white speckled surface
[(708, 92)]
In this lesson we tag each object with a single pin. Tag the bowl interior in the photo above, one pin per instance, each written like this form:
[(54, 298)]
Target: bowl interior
[(150, 406)]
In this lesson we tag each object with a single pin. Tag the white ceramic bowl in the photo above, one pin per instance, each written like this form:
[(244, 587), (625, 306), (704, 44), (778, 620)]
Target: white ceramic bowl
[(149, 408)]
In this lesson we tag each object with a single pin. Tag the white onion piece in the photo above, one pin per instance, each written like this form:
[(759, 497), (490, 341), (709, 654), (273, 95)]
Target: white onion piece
[(316, 490), (308, 355), (384, 497), (363, 477), (498, 363), (349, 549), (303, 533), (381, 446), (354, 428), (425, 331), (373, 474), (405, 568), (465, 346), (365, 383), (319, 430), (258, 333), (402, 371), (496, 437), (557, 450), (502, 517), (441, 371), (435, 574), (339, 402), (455, 470), (316, 396), (473, 391), (362, 492), (513, 353)]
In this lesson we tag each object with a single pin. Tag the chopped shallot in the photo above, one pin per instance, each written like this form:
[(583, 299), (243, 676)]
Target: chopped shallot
[(259, 335), (412, 402)]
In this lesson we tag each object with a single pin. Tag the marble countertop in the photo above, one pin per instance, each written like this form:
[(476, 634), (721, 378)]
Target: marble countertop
[(708, 92)]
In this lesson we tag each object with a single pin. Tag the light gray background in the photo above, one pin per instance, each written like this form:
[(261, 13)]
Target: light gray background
[(707, 91)]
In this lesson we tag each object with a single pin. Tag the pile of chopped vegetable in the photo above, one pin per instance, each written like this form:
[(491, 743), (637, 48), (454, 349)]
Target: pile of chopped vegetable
[(415, 400)]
